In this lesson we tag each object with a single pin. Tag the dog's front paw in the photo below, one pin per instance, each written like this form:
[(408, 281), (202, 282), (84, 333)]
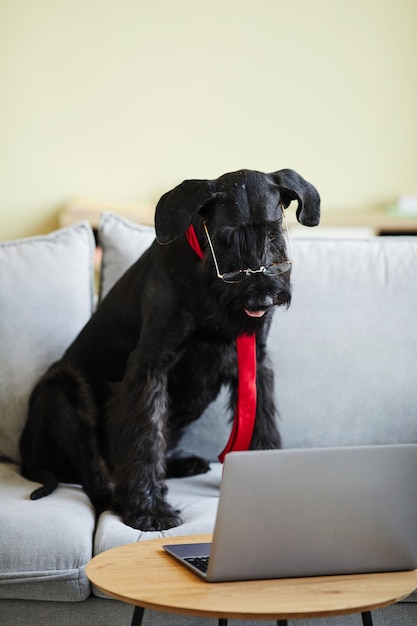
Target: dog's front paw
[(153, 521), (187, 466)]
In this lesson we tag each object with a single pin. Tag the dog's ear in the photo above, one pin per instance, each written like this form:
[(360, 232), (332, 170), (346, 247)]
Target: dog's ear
[(292, 186), (176, 208)]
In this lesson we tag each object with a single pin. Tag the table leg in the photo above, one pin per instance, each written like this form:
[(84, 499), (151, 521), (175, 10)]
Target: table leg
[(137, 616), (367, 618), (222, 621), (282, 622)]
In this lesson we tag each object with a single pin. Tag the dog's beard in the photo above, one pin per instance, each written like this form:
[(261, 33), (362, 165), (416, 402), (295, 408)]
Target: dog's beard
[(256, 296), (242, 308)]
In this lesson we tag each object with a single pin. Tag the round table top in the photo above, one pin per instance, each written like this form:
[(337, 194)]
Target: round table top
[(143, 574)]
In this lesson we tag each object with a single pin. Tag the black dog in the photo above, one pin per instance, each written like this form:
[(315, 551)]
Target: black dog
[(162, 343)]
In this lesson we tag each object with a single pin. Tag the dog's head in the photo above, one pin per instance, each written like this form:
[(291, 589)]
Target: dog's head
[(240, 227)]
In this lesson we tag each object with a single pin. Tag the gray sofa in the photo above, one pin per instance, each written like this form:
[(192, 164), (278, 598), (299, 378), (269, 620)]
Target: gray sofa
[(345, 359)]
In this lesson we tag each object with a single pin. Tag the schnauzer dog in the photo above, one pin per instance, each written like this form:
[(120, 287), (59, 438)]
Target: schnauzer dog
[(161, 344)]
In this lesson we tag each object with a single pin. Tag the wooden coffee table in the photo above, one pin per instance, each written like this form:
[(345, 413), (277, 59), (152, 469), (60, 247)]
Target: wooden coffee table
[(142, 574)]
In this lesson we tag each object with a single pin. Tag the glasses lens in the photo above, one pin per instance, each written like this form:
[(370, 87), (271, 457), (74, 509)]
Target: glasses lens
[(278, 268), (233, 277)]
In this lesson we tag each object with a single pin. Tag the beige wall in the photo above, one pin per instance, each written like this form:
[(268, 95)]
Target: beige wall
[(120, 100)]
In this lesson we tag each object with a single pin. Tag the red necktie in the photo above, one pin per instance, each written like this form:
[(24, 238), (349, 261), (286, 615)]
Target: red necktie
[(244, 418)]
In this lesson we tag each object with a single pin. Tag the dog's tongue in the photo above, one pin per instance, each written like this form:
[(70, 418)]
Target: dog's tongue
[(254, 313)]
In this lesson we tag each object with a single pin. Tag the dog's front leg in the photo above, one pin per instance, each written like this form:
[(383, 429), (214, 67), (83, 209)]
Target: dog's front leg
[(136, 431)]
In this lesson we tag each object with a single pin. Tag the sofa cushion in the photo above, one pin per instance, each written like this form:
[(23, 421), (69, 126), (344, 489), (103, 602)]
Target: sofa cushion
[(196, 497), (44, 544), (122, 242), (345, 352), (46, 296)]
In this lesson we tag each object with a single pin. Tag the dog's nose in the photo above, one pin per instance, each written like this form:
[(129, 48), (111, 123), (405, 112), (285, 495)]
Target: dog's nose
[(260, 304), (267, 302)]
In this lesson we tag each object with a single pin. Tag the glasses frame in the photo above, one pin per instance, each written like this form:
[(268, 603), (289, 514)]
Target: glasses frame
[(248, 271)]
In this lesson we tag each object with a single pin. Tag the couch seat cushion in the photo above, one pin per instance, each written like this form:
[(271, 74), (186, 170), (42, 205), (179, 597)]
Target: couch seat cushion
[(196, 497), (44, 545)]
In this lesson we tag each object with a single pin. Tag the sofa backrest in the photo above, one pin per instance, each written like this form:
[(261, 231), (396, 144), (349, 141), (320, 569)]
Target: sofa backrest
[(345, 352)]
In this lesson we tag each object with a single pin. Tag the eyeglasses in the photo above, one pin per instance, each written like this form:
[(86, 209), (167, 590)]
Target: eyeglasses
[(275, 269)]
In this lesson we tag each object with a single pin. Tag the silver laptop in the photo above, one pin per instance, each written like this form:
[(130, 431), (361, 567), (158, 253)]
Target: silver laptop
[(286, 513)]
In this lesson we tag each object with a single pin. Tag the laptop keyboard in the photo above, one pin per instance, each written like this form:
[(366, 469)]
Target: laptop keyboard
[(200, 562)]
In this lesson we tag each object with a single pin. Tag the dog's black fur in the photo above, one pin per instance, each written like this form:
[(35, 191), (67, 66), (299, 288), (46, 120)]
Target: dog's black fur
[(160, 346)]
